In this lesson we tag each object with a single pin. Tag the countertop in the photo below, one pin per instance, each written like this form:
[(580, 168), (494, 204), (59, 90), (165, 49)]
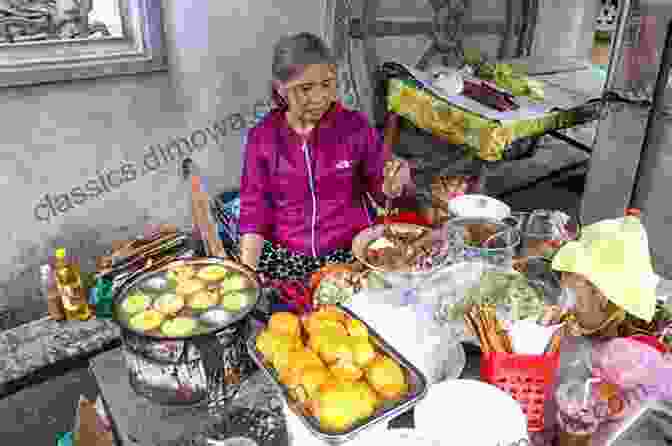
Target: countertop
[(28, 352)]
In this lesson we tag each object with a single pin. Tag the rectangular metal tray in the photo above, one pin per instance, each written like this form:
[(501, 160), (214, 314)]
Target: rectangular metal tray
[(417, 389)]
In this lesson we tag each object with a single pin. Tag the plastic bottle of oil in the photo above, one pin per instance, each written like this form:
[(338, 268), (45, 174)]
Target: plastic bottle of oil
[(69, 281)]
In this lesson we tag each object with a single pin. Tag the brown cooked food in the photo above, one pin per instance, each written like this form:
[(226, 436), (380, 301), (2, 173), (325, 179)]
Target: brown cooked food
[(475, 234), (408, 246)]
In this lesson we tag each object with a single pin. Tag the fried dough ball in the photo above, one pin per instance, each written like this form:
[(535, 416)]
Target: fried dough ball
[(387, 378), (284, 323)]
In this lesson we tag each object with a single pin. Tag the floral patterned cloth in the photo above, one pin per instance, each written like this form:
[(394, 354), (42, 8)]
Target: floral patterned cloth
[(486, 139)]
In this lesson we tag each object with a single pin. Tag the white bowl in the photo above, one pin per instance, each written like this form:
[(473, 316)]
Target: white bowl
[(479, 206), (470, 412)]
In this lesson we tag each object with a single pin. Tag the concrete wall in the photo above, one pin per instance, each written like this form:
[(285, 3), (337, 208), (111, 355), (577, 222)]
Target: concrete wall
[(565, 28), (59, 136)]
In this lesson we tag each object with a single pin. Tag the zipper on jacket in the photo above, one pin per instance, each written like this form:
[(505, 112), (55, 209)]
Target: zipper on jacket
[(311, 184)]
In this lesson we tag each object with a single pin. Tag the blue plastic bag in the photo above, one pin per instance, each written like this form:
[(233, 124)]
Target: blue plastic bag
[(64, 439)]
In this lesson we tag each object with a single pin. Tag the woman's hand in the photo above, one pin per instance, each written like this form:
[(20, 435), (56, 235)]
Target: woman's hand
[(397, 174), (296, 110)]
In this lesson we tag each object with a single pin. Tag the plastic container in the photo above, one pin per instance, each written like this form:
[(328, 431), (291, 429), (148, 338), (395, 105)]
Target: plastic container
[(71, 288), (577, 415), (529, 379), (104, 298)]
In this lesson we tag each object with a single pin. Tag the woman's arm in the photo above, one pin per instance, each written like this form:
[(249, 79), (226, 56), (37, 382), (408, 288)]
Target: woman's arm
[(375, 153), (251, 246), (255, 208)]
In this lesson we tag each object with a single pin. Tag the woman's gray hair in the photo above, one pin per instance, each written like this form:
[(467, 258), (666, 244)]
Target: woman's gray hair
[(292, 53)]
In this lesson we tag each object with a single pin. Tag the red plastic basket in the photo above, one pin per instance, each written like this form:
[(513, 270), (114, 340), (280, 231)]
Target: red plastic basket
[(528, 379)]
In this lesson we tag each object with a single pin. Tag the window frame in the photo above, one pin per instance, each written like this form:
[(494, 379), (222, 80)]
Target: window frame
[(140, 50)]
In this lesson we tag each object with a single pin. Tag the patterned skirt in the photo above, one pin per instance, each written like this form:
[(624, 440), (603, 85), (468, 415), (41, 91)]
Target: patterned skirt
[(279, 263)]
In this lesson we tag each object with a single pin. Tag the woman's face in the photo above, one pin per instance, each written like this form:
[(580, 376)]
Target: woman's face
[(311, 93)]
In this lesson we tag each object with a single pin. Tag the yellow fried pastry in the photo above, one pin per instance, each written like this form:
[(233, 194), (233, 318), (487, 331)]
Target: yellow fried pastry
[(346, 370), (212, 273), (146, 321), (202, 300), (189, 286), (274, 346), (387, 378), (299, 360), (340, 405), (333, 347), (356, 328), (362, 351), (309, 383), (284, 323), (169, 304)]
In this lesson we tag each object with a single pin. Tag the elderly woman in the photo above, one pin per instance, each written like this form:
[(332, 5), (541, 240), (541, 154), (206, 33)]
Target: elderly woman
[(308, 166)]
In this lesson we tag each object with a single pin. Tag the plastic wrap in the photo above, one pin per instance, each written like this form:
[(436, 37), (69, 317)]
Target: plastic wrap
[(632, 365)]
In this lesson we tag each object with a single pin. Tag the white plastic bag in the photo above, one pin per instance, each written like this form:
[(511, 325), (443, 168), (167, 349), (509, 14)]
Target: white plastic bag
[(449, 287), (409, 327)]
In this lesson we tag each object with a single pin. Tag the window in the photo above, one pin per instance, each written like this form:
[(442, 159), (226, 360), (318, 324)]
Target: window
[(61, 40)]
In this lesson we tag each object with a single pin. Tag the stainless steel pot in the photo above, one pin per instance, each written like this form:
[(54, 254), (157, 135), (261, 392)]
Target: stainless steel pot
[(189, 370)]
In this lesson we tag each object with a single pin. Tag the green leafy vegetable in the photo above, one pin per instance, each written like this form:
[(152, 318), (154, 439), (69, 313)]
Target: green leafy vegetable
[(510, 78), (507, 291), (331, 293)]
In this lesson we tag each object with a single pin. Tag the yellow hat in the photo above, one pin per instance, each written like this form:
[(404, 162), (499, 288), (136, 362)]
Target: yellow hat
[(614, 256)]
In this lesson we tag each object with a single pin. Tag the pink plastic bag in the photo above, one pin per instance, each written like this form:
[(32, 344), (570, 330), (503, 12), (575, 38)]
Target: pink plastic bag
[(628, 363)]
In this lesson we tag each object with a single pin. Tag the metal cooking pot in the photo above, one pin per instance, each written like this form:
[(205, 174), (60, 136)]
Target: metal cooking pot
[(188, 370)]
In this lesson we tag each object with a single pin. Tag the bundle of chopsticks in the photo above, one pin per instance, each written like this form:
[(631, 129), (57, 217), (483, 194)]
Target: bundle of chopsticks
[(482, 320), (132, 257)]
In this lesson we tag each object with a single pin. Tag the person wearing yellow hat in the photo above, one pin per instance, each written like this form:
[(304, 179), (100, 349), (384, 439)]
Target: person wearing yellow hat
[(609, 268)]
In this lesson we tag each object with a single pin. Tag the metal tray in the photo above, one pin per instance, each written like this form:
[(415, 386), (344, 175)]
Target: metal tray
[(417, 389)]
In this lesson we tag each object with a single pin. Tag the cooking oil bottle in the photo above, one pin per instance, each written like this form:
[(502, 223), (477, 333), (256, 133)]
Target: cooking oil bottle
[(69, 281)]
